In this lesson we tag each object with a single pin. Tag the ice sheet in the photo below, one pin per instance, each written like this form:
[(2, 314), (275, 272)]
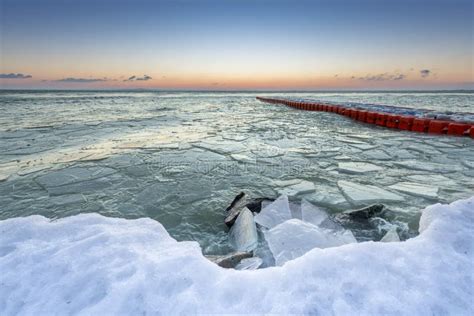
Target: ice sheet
[(359, 194)]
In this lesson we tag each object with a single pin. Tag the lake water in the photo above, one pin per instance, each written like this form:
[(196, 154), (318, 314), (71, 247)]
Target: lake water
[(181, 157)]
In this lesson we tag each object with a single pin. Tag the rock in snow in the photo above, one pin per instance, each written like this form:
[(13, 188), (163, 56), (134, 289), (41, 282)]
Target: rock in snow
[(359, 194), (131, 267), (231, 260)]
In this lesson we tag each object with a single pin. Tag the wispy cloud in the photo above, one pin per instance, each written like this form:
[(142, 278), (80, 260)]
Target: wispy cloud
[(425, 73), (135, 78), (81, 80), (381, 77), (15, 76)]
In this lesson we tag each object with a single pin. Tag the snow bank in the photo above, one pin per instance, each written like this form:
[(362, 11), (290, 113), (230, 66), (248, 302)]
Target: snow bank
[(94, 265)]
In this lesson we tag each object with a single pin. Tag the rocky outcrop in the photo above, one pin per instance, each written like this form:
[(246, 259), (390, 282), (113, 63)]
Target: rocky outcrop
[(231, 260)]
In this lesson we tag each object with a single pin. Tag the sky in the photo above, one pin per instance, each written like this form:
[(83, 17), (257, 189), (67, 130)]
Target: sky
[(237, 44)]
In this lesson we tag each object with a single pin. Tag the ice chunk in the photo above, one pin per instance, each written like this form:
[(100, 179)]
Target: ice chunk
[(243, 234), (416, 189), (275, 213), (377, 154), (242, 158), (359, 194), (391, 236), (295, 209), (6, 173), (285, 183), (364, 146), (329, 197), (358, 167), (302, 187), (294, 238), (312, 214), (427, 166), (249, 264), (436, 179), (264, 252)]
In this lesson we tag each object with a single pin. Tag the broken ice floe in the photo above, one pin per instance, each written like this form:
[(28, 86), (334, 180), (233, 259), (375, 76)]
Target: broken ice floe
[(287, 230), (416, 189), (358, 167), (359, 194)]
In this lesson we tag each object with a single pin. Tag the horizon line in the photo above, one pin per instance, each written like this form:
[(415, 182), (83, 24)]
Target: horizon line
[(235, 90)]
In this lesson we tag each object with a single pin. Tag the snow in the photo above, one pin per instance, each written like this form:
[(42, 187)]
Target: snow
[(94, 265), (275, 213), (359, 194)]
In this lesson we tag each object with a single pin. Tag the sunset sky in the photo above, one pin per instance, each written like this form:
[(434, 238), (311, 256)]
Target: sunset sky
[(226, 44)]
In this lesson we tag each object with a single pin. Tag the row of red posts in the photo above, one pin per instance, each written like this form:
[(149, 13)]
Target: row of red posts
[(403, 122)]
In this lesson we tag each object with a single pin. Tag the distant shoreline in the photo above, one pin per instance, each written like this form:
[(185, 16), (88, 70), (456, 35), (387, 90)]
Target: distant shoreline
[(239, 91)]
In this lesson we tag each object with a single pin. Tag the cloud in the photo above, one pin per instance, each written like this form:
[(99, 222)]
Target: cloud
[(425, 73), (135, 78), (399, 77), (81, 80), (14, 76), (381, 77)]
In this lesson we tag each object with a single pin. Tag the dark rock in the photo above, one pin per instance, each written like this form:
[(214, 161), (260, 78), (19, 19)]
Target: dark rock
[(235, 208), (255, 205), (231, 260), (366, 223), (366, 212)]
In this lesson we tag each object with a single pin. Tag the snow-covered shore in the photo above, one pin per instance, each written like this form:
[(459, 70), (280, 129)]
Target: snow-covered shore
[(94, 265)]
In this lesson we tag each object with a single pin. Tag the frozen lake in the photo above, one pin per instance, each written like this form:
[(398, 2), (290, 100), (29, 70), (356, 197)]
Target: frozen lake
[(181, 157)]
